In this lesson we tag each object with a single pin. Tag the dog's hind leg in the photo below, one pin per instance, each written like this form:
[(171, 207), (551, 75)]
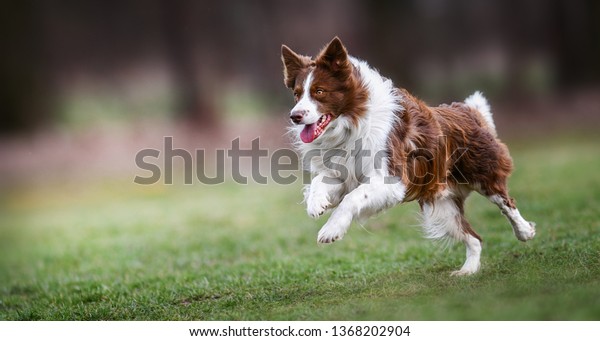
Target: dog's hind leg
[(444, 219), (524, 230)]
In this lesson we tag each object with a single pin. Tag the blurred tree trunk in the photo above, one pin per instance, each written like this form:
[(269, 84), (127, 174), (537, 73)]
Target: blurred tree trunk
[(387, 37), (193, 102), (24, 88), (576, 33)]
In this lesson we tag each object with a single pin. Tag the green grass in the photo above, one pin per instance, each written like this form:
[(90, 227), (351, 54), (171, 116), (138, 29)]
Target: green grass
[(114, 251)]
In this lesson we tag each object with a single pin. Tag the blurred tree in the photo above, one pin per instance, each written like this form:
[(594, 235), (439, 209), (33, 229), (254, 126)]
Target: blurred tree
[(193, 101), (390, 39), (575, 28), (25, 92)]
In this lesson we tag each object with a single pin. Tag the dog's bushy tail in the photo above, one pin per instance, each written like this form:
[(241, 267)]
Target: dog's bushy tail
[(480, 103)]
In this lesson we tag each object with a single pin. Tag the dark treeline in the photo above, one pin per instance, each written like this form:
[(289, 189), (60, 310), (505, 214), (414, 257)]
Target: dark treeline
[(202, 44)]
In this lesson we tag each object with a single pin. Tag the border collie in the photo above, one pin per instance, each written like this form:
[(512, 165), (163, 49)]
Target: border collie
[(378, 146)]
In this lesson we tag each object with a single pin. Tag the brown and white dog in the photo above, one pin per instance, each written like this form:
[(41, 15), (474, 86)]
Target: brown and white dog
[(371, 146)]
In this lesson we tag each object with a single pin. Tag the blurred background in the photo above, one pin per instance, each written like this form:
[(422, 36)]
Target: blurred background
[(84, 85)]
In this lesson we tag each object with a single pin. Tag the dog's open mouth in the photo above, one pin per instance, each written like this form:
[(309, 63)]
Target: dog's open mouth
[(314, 130)]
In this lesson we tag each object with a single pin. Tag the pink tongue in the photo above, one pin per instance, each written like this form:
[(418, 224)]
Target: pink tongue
[(308, 133)]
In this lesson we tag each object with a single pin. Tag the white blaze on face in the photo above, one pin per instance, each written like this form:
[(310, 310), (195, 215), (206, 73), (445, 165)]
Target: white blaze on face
[(306, 103), (313, 123)]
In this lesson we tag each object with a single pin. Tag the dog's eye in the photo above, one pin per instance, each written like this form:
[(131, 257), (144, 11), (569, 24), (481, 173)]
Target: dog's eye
[(320, 91)]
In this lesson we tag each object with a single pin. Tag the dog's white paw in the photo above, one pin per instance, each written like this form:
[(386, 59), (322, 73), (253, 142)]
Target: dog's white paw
[(335, 229), (316, 207), (525, 232), (470, 267), (329, 235), (463, 272)]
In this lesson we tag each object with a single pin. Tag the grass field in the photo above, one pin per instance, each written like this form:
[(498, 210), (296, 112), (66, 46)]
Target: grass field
[(119, 251)]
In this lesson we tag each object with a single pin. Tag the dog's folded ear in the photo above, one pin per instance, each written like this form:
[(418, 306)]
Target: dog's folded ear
[(334, 57), (293, 63)]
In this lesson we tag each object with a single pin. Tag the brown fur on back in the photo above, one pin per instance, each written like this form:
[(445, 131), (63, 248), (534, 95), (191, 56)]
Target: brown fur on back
[(432, 148)]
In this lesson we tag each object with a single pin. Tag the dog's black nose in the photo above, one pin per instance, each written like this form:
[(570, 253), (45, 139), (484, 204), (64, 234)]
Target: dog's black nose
[(297, 115)]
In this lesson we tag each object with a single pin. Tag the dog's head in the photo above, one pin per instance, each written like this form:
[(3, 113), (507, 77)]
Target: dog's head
[(326, 89)]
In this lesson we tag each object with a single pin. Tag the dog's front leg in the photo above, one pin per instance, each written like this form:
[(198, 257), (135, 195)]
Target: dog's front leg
[(323, 194), (362, 202)]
